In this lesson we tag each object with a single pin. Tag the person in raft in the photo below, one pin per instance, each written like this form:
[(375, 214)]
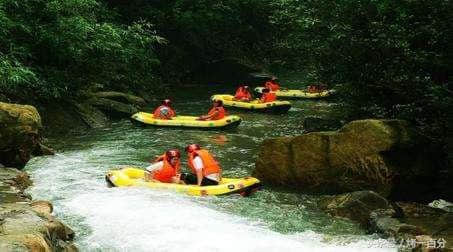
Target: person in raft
[(217, 112), (316, 88), (205, 170), (166, 168), (164, 111), (272, 84), (267, 96), (243, 94)]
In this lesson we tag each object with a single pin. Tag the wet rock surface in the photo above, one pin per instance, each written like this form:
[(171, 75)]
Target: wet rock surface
[(356, 206), (407, 223), (27, 225), (386, 156), (91, 110), (20, 136)]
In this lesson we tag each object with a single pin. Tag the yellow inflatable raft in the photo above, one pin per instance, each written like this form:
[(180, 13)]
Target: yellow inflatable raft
[(230, 121), (133, 176), (255, 105), (298, 93)]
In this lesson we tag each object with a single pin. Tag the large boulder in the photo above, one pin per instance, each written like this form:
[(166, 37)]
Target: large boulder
[(386, 156), (90, 110), (121, 97), (20, 127)]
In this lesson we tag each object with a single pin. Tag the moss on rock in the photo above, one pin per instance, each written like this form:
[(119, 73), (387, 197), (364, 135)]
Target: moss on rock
[(385, 156)]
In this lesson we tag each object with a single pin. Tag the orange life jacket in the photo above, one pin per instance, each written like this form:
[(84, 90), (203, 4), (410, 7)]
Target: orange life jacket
[(272, 85), (163, 157), (221, 113), (166, 172), (312, 89), (242, 93), (156, 113), (268, 97), (210, 165)]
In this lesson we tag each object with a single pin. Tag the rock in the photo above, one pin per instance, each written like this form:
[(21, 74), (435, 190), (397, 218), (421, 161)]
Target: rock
[(435, 222), (12, 185), (27, 242), (356, 206), (41, 206), (43, 150), (401, 222), (91, 116), (23, 227), (19, 133), (382, 222), (113, 108), (386, 156), (312, 123), (121, 97)]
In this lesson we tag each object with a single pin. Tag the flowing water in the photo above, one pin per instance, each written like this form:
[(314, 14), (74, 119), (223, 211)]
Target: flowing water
[(139, 219)]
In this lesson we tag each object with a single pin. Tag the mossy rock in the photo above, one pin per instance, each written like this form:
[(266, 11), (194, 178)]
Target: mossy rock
[(20, 127), (386, 156)]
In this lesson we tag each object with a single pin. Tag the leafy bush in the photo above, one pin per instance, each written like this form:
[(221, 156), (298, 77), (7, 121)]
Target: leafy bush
[(53, 49)]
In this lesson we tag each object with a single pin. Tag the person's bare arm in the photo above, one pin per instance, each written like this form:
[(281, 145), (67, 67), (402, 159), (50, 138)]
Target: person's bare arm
[(207, 117), (199, 176)]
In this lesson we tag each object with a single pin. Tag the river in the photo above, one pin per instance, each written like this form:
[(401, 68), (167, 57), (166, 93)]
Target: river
[(138, 219)]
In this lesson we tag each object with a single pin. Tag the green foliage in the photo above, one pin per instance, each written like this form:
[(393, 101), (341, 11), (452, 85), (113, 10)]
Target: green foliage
[(53, 49), (203, 31), (387, 58)]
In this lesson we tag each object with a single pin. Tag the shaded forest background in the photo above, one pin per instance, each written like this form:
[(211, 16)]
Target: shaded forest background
[(387, 59)]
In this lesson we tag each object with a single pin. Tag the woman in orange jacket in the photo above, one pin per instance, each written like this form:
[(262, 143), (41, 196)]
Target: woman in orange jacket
[(166, 168), (217, 112)]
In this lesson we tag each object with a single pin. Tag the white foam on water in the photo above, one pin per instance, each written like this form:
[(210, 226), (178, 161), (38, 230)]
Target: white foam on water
[(140, 219), (132, 219)]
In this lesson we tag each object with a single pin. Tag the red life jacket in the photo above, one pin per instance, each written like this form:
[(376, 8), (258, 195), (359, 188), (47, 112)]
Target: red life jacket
[(156, 113), (272, 85), (241, 93), (221, 113), (268, 97), (210, 165), (166, 172)]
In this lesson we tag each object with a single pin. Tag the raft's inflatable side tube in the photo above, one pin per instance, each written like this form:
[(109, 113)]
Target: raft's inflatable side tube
[(298, 93), (133, 176), (228, 122), (268, 107)]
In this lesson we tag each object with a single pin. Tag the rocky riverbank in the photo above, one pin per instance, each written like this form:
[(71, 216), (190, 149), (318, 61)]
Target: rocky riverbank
[(90, 110), (25, 225), (374, 172)]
